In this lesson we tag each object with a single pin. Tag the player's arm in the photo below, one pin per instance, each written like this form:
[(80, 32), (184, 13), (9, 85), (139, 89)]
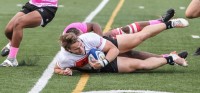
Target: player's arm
[(95, 27), (60, 71), (111, 50)]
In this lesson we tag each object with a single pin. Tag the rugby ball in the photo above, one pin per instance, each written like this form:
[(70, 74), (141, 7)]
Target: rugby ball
[(98, 55)]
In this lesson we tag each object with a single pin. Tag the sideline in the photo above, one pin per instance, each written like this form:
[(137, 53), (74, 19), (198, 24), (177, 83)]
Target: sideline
[(48, 73), (84, 77)]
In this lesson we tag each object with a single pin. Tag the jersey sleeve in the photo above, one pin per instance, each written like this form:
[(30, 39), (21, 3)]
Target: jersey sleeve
[(78, 25)]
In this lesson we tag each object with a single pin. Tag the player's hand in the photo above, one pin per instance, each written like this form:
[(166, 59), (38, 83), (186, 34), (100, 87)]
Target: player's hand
[(68, 72), (95, 64)]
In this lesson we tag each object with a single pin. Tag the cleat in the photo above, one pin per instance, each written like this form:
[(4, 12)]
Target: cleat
[(178, 60), (179, 23), (9, 63), (183, 54), (168, 15), (5, 51), (197, 52)]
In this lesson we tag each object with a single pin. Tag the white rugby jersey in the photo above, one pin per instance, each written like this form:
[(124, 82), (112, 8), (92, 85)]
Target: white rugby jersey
[(42, 3), (66, 59)]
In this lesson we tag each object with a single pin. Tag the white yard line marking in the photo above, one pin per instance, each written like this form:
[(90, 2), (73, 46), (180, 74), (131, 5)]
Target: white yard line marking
[(182, 8), (195, 36), (60, 6), (96, 11), (141, 7), (19, 5), (48, 73), (41, 83)]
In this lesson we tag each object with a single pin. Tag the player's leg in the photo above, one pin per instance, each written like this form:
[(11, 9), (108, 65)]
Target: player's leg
[(131, 64), (127, 42), (193, 9), (144, 55), (32, 19), (9, 32), (138, 54), (138, 26), (9, 26)]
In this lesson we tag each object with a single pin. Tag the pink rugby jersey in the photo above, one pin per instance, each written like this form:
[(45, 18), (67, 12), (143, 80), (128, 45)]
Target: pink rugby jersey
[(78, 25), (42, 3), (66, 59)]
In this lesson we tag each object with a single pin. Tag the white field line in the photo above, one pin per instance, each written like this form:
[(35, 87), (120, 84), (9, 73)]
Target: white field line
[(48, 73), (195, 36), (96, 11)]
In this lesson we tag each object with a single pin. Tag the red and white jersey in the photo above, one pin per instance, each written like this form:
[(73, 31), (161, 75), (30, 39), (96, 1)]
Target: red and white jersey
[(66, 59), (43, 3), (78, 25)]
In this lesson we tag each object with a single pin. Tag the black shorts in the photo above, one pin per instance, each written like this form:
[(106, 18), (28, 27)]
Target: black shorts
[(47, 13), (112, 66), (114, 41)]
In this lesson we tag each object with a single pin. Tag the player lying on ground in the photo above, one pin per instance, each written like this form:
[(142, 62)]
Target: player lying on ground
[(79, 28), (76, 48)]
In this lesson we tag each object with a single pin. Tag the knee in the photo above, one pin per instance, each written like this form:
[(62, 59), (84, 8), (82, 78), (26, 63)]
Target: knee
[(192, 14), (8, 29), (188, 15), (19, 23)]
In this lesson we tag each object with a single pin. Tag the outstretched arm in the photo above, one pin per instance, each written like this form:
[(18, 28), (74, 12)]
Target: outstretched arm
[(95, 27)]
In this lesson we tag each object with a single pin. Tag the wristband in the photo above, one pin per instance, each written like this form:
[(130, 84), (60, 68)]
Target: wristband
[(104, 62)]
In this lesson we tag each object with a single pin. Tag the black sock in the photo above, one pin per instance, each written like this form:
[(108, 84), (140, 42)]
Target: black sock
[(168, 24), (169, 60)]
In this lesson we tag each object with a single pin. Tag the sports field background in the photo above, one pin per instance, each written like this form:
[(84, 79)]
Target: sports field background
[(39, 46)]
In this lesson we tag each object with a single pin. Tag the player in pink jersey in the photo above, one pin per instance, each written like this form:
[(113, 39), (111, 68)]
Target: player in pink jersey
[(129, 29), (76, 48), (193, 11), (33, 14)]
